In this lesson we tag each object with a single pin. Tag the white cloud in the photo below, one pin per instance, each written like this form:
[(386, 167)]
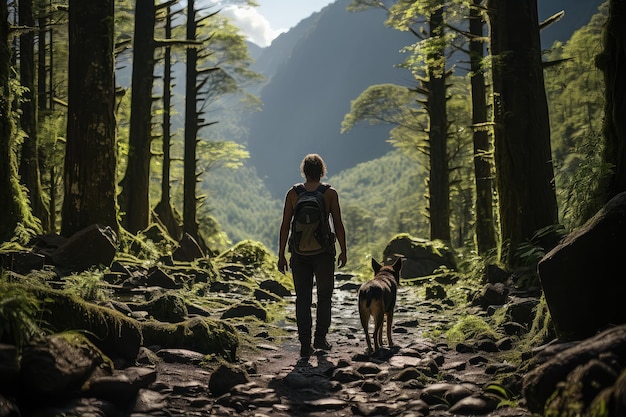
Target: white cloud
[(252, 24)]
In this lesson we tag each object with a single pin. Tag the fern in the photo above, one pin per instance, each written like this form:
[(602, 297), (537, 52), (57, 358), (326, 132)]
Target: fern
[(19, 311)]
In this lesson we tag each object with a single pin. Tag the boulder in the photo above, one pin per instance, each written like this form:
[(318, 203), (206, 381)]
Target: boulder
[(224, 378), (581, 277), (21, 262), (578, 372), (157, 278), (198, 334), (275, 287), (188, 249), (95, 245), (170, 308), (60, 363), (111, 331), (421, 257), (246, 308), (122, 386)]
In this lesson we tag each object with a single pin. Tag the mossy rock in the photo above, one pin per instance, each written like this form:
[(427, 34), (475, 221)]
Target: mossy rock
[(421, 257), (111, 331), (61, 362), (249, 253), (199, 334), (246, 308), (168, 307)]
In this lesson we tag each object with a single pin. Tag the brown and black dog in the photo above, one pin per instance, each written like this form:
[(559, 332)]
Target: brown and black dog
[(377, 298)]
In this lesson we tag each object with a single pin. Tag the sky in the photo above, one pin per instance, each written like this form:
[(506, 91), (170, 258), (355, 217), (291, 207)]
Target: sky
[(264, 23)]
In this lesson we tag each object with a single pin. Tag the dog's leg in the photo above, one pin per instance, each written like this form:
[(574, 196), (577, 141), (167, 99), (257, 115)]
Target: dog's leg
[(364, 312), (389, 324), (379, 317)]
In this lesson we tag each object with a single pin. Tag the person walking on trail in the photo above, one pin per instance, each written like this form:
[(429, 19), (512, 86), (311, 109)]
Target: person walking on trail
[(311, 238)]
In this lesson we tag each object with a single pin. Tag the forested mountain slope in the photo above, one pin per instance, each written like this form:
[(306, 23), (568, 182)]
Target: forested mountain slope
[(314, 71), (376, 197)]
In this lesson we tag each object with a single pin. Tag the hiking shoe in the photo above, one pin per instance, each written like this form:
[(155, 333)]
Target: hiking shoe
[(322, 344), (305, 350)]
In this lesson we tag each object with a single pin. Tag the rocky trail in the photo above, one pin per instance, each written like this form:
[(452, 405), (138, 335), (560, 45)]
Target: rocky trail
[(416, 377)]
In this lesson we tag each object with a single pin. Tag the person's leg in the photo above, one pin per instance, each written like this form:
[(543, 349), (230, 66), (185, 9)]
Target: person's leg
[(325, 279), (303, 282)]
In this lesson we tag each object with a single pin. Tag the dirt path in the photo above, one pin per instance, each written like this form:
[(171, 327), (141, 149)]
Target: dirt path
[(417, 377)]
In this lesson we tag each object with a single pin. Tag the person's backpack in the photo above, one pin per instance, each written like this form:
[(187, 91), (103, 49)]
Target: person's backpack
[(310, 229)]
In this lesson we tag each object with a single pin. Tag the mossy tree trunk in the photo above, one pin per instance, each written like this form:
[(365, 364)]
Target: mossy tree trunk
[(612, 61), (134, 198), (485, 222), (90, 157), (13, 207), (439, 180), (523, 158), (29, 163)]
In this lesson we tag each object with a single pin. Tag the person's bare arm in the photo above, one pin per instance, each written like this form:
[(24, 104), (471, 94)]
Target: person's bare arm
[(340, 231), (284, 235)]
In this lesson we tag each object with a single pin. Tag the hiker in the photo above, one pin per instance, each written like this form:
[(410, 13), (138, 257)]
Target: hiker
[(312, 251)]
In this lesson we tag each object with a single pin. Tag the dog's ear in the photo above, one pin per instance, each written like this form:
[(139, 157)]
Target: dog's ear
[(397, 265), (376, 266)]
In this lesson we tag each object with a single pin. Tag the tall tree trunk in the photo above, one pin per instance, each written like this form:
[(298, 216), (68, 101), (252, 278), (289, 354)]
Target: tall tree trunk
[(9, 209), (134, 198), (485, 222), (44, 106), (13, 210), (612, 61), (29, 163), (90, 158), (439, 181), (163, 209), (524, 171), (190, 224)]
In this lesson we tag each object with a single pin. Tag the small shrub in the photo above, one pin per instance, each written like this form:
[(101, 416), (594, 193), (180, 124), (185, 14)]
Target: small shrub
[(86, 285), (470, 327)]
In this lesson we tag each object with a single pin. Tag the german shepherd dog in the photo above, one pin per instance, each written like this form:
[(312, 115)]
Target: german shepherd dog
[(377, 298)]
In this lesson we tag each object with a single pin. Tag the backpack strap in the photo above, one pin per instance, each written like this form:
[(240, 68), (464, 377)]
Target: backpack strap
[(323, 187), (299, 188)]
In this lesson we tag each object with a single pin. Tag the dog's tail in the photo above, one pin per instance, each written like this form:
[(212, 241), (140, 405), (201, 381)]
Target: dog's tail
[(366, 296)]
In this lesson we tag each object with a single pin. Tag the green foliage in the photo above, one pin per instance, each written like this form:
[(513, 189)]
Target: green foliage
[(379, 199), (470, 327), (86, 285), (19, 314), (533, 250), (575, 90), (581, 179), (242, 206), (542, 330)]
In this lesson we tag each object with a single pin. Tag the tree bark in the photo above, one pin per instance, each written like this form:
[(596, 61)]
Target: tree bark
[(439, 181), (29, 163), (9, 209), (524, 171), (190, 224), (612, 61), (485, 222), (134, 198), (90, 158), (163, 209)]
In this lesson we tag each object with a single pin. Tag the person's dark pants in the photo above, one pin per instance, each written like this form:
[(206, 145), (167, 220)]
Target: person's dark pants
[(303, 268)]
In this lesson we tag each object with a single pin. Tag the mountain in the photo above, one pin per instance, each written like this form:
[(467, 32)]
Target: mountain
[(314, 71)]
